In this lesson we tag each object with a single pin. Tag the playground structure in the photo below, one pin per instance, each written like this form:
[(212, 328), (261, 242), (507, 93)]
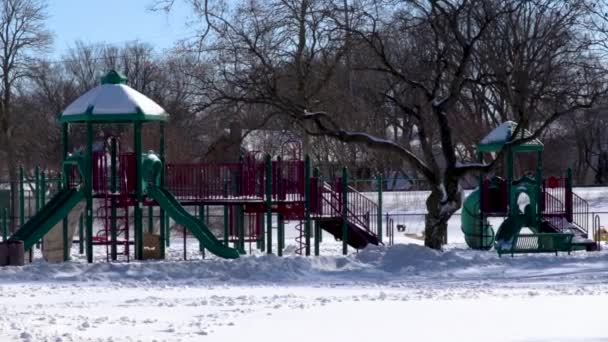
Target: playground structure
[(255, 196), (116, 186), (558, 219)]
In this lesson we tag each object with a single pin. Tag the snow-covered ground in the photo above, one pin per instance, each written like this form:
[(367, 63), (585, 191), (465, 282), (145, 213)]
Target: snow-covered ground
[(404, 292)]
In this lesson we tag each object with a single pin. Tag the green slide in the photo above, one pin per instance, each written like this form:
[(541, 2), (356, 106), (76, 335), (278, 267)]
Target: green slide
[(54, 211), (168, 203), (476, 235), (509, 229)]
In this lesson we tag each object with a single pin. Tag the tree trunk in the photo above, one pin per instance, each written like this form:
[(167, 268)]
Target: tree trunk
[(435, 228), (439, 211)]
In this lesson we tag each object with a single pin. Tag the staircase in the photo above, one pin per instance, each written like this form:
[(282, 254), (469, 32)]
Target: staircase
[(329, 210), (565, 212)]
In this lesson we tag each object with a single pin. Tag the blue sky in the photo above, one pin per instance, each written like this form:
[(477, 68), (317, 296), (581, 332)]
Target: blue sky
[(114, 21)]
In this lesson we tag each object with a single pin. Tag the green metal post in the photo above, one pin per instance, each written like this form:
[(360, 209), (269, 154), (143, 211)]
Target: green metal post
[(42, 189), (163, 226), (235, 227), (344, 211), (4, 224), (240, 211), (379, 213), (21, 197), (318, 234), (239, 214), (64, 232), (81, 234), (260, 242), (88, 181), (539, 188), (280, 218), (150, 219), (139, 233), (168, 230), (64, 154), (262, 237), (226, 219), (37, 188), (280, 234), (42, 195), (568, 200), (307, 226), (65, 238), (113, 203), (201, 215), (512, 203), (481, 200), (268, 204), (37, 195)]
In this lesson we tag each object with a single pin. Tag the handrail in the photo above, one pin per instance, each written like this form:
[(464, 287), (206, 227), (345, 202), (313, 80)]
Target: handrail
[(560, 202), (580, 213), (554, 211), (358, 207), (362, 207), (552, 204)]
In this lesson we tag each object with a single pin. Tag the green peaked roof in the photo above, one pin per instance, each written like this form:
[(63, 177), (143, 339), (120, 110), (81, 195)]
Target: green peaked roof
[(502, 134), (114, 77)]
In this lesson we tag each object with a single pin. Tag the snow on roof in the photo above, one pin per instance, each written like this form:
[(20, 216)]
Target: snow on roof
[(115, 98), (503, 133), (500, 134)]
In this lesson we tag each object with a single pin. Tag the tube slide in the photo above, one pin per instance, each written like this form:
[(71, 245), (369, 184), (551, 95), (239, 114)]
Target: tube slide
[(476, 235), (54, 211), (169, 204)]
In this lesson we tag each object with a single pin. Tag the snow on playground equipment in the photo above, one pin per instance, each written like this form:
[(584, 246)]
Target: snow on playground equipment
[(557, 217), (112, 184)]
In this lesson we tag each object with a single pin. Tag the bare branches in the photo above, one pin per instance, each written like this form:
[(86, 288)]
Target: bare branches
[(326, 126), (418, 81)]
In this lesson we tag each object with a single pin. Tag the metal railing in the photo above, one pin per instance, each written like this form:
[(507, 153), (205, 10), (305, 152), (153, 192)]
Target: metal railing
[(288, 180), (360, 210), (215, 181), (394, 184), (580, 213), (554, 211), (240, 180), (560, 205)]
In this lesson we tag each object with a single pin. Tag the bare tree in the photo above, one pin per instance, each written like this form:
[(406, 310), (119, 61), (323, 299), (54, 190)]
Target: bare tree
[(22, 35), (438, 66)]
